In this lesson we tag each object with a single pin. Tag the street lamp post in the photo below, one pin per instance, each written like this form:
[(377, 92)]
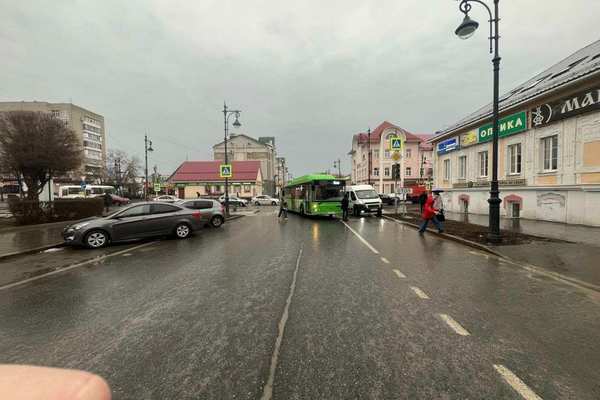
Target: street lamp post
[(226, 114), (369, 156), (338, 164), (147, 148), (464, 31)]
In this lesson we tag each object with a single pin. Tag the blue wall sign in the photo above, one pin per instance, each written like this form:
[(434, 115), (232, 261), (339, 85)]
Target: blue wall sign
[(448, 145)]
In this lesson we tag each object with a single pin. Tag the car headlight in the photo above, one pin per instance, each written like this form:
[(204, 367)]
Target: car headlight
[(79, 226)]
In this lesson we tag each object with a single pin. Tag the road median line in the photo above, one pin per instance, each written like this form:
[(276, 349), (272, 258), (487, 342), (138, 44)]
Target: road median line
[(516, 383), (362, 239)]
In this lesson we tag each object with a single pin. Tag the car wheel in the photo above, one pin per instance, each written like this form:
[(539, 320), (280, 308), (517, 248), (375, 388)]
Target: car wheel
[(182, 231), (217, 221), (96, 239), (257, 203), (273, 203)]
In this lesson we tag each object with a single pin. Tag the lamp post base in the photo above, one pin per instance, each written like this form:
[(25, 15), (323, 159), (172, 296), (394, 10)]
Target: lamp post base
[(494, 201)]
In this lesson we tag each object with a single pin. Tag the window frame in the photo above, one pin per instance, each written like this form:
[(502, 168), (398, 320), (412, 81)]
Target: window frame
[(462, 167), (553, 153), (447, 169), (515, 160), (481, 164)]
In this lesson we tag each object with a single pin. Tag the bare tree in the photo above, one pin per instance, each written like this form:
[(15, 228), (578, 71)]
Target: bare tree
[(37, 146), (122, 170)]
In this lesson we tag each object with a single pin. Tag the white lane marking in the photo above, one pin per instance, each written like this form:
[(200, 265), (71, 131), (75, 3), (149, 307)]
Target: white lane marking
[(385, 260), (400, 274), (81, 264), (373, 249), (456, 327), (419, 292), (516, 383), (268, 389)]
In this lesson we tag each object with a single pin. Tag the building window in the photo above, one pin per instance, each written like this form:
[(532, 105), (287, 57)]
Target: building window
[(386, 171), (408, 171), (407, 153), (462, 167), (550, 153), (514, 159), (447, 169), (387, 154), (376, 171), (483, 164), (376, 153), (363, 157)]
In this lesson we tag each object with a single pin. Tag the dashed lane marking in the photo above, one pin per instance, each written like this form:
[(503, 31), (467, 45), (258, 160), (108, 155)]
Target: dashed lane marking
[(456, 327), (268, 389), (516, 383), (419, 292), (385, 260), (399, 274), (81, 264), (373, 249)]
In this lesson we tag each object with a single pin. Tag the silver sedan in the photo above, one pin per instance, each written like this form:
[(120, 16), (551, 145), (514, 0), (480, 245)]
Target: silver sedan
[(141, 220)]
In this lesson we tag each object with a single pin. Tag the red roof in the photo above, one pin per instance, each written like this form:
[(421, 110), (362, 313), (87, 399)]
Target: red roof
[(208, 171), (376, 133)]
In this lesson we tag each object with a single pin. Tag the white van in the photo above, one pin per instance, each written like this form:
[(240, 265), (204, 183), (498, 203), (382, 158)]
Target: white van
[(363, 198)]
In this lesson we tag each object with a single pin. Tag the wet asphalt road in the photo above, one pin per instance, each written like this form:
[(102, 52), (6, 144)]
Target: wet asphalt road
[(199, 319)]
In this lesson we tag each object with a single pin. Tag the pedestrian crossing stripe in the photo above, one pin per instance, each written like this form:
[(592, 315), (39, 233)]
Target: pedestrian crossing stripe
[(226, 171)]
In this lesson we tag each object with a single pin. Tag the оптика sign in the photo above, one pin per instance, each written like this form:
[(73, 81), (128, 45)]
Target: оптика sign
[(509, 125)]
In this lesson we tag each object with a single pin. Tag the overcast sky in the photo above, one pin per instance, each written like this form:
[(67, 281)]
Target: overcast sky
[(311, 73)]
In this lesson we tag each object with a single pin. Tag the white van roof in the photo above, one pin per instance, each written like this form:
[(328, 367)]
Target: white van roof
[(359, 187)]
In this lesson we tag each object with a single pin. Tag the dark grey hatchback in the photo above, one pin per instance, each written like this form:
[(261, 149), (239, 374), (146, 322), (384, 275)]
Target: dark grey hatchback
[(141, 220)]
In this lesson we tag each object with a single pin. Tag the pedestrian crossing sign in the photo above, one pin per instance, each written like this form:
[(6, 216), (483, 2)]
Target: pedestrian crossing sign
[(226, 171), (396, 143)]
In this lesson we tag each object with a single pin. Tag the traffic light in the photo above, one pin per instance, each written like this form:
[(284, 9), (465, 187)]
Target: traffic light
[(396, 171)]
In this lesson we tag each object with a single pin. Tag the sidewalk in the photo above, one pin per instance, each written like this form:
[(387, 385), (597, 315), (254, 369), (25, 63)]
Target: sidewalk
[(21, 239)]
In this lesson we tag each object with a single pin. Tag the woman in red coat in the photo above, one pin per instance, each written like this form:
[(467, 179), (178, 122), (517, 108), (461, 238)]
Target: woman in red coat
[(430, 213)]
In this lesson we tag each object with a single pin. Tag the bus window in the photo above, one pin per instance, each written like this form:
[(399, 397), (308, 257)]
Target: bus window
[(328, 191)]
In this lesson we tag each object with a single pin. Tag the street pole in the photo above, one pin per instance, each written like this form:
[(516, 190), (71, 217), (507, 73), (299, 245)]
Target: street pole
[(397, 166), (146, 167), (465, 30), (226, 114), (369, 156)]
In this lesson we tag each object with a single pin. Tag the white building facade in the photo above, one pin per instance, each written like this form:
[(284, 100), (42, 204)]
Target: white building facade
[(548, 149)]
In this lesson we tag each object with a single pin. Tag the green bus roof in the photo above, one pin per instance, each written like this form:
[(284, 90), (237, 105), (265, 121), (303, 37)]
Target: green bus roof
[(313, 177)]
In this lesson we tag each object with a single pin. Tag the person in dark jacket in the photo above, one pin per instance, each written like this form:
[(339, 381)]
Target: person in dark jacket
[(422, 201), (107, 201), (345, 204), (430, 214), (283, 209)]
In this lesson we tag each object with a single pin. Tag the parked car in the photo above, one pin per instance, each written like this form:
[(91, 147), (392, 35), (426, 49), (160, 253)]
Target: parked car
[(166, 198), (390, 198), (211, 211), (137, 221), (119, 200), (234, 201), (264, 200)]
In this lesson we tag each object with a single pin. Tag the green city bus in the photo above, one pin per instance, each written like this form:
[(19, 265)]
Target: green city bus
[(316, 194)]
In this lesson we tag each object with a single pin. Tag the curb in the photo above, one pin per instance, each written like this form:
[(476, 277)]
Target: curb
[(31, 251)]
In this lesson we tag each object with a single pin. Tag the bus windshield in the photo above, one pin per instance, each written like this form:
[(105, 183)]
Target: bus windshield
[(330, 191), (367, 194)]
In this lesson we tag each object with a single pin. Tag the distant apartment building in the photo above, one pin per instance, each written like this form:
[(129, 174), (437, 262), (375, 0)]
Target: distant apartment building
[(548, 148), (88, 126), (246, 148), (415, 162)]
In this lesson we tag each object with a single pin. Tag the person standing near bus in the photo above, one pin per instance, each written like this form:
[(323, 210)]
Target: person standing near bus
[(283, 209), (107, 201), (345, 204)]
